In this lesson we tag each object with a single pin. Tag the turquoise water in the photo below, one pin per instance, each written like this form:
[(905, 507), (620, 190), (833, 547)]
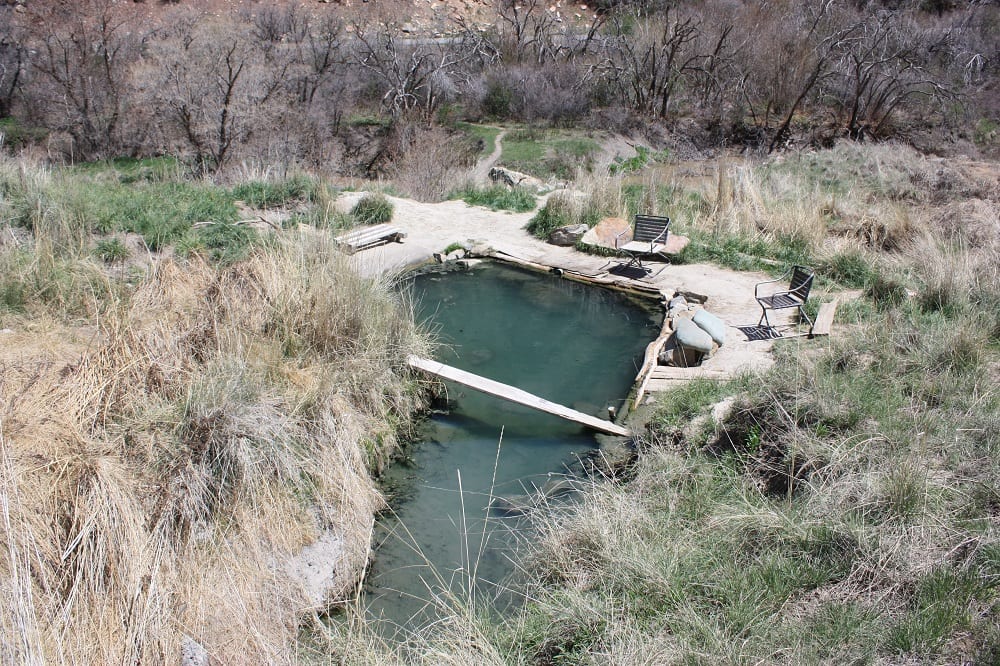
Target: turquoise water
[(576, 345)]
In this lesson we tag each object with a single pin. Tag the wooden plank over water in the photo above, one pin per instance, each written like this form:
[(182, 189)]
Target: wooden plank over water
[(515, 394)]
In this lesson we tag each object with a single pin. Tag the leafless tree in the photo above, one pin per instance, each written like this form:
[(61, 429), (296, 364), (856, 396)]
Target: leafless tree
[(202, 80), (528, 31), (647, 64), (13, 55), (414, 74), (882, 64), (83, 55)]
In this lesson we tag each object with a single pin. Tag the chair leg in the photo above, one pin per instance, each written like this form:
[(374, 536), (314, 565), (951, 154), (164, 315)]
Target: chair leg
[(802, 311)]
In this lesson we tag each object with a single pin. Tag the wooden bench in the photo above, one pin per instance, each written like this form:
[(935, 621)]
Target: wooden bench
[(366, 237), (649, 237)]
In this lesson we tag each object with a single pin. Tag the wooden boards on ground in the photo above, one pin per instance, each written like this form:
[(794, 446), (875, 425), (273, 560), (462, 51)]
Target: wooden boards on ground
[(824, 319), (515, 394), (649, 362), (365, 237)]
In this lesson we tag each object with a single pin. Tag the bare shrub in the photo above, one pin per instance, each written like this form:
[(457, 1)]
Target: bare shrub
[(556, 92), (83, 53), (427, 163)]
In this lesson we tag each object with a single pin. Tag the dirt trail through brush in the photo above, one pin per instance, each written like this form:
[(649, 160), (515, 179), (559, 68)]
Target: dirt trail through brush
[(481, 171)]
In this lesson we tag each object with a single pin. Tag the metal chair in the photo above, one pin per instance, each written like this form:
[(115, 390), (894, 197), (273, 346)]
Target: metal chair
[(795, 296), (649, 237)]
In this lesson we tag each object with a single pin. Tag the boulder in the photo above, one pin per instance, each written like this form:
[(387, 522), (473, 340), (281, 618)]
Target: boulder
[(568, 235), (512, 178), (193, 653), (604, 232), (711, 324)]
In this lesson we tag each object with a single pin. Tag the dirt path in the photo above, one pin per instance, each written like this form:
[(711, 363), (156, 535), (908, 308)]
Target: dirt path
[(481, 171), (432, 227)]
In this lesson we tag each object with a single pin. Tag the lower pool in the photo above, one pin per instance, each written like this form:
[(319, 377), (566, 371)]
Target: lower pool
[(445, 533)]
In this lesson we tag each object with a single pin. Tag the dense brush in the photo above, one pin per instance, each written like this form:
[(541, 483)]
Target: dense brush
[(224, 419)]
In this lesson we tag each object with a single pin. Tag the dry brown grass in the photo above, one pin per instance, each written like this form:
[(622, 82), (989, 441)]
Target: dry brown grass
[(154, 483)]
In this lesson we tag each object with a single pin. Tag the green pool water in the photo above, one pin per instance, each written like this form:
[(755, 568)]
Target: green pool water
[(576, 345)]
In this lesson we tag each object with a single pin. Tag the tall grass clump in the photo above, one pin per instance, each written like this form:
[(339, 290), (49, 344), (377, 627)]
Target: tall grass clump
[(595, 199), (372, 208), (497, 197), (271, 194), (157, 488)]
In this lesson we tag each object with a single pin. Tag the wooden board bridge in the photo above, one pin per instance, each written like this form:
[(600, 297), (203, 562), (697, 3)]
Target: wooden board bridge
[(515, 394)]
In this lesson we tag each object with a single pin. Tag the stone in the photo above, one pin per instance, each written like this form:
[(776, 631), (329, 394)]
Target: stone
[(315, 568), (689, 335), (569, 235), (676, 306), (512, 178), (711, 324), (604, 232), (193, 653), (694, 296), (479, 249)]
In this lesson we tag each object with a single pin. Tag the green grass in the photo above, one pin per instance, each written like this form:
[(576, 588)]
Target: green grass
[(153, 198), (642, 158), (854, 464), (372, 208), (267, 194), (497, 197), (559, 212), (128, 170), (986, 132), (484, 133), (162, 212), (546, 153), (742, 253), (111, 250), (16, 134)]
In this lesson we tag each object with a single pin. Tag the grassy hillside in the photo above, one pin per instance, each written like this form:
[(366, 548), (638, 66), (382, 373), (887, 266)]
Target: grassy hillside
[(175, 426)]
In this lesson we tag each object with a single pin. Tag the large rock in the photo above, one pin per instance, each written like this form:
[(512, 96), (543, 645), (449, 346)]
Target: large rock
[(568, 235), (604, 232), (511, 178)]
